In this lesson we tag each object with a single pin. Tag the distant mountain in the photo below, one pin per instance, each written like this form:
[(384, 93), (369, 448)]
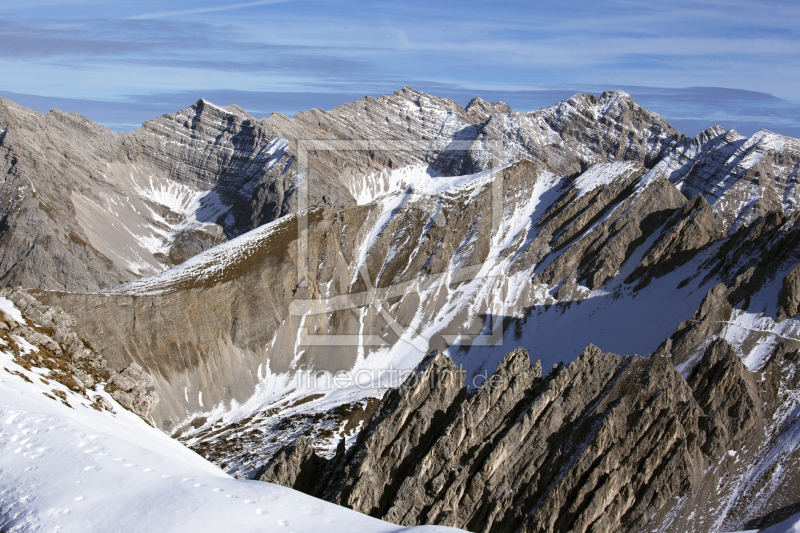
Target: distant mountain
[(86, 208)]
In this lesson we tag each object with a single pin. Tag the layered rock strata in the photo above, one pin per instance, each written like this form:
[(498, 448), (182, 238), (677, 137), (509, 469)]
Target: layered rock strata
[(84, 208), (606, 443)]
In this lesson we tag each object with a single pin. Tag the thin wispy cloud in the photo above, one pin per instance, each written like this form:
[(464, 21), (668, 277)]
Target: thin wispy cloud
[(105, 51), (201, 10)]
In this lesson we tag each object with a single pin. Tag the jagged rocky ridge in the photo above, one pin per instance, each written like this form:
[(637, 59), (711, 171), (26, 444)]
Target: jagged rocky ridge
[(195, 178), (606, 443)]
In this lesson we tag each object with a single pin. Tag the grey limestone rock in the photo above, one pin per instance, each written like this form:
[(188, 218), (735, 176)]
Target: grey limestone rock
[(789, 297), (134, 389), (246, 170)]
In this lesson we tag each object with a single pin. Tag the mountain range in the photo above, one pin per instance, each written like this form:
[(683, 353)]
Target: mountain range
[(573, 319)]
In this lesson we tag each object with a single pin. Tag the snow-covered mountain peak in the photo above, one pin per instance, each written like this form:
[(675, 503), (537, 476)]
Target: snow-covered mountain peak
[(482, 109)]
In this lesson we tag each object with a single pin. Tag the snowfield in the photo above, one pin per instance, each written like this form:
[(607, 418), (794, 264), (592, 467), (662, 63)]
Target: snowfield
[(73, 468)]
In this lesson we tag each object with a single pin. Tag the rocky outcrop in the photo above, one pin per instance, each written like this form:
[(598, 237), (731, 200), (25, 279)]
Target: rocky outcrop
[(297, 465), (747, 423), (708, 321), (728, 394), (52, 329), (597, 257), (606, 443), (61, 355), (134, 389), (688, 231), (189, 242), (789, 297), (601, 444), (743, 179)]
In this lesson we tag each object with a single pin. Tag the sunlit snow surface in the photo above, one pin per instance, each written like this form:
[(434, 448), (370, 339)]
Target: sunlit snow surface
[(10, 309), (77, 469)]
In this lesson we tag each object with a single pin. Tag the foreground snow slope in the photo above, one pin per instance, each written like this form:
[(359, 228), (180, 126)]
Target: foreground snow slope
[(73, 468)]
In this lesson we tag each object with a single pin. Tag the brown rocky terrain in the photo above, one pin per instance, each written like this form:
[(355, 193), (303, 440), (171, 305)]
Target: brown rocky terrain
[(43, 338)]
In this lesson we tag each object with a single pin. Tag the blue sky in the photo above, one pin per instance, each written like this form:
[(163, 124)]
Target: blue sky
[(697, 63)]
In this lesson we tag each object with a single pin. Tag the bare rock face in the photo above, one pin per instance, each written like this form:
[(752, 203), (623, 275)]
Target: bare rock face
[(135, 390), (601, 444), (617, 219), (85, 208), (297, 466), (714, 312), (728, 394), (743, 179), (418, 410), (693, 228), (85, 364), (789, 297)]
